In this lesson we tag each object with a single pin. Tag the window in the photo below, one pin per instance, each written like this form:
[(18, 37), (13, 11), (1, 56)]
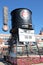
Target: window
[(13, 49), (6, 43), (5, 48), (19, 51), (41, 39)]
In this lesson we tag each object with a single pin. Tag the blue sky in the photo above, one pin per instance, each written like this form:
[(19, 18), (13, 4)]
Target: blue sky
[(36, 6)]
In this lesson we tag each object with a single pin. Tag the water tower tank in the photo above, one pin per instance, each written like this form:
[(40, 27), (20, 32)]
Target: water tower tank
[(21, 18)]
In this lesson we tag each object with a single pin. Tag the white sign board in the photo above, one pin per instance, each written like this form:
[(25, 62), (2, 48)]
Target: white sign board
[(26, 35)]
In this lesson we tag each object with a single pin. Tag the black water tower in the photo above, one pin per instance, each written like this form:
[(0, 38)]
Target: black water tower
[(21, 18)]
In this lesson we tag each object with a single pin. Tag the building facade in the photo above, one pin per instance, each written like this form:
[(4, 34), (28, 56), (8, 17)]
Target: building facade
[(34, 46), (4, 43)]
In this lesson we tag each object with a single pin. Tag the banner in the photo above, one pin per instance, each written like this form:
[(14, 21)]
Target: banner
[(26, 35)]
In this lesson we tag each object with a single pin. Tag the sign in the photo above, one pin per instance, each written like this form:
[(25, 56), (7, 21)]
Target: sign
[(26, 35), (25, 14)]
